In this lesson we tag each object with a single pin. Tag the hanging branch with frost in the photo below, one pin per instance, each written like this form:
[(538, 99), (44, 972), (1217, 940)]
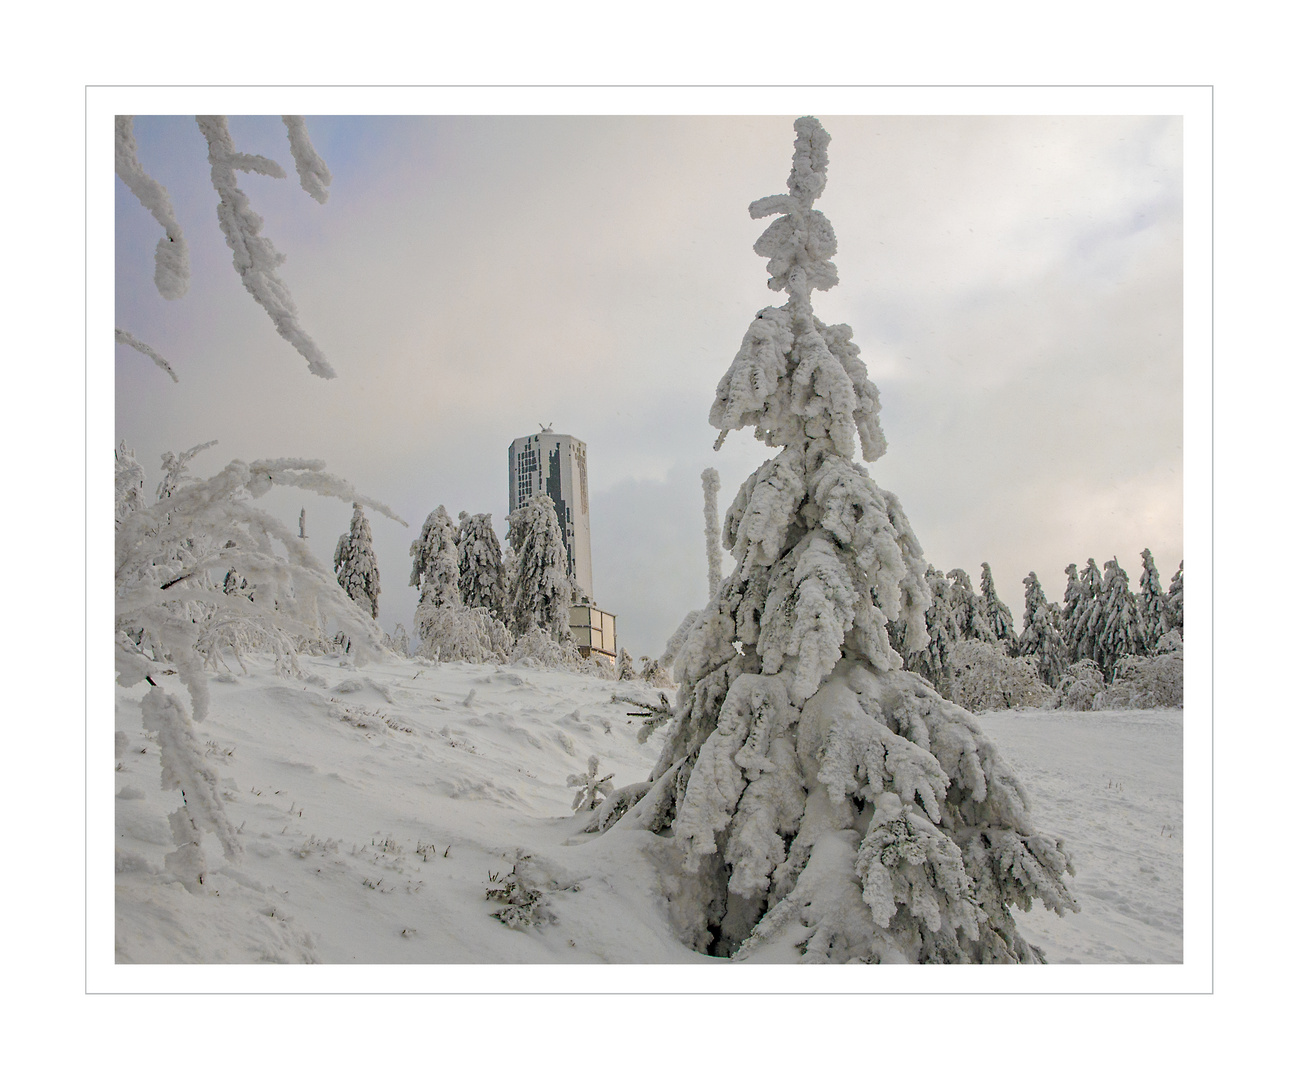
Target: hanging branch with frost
[(313, 173), (174, 621), (171, 257), (255, 257), (123, 338), (824, 804)]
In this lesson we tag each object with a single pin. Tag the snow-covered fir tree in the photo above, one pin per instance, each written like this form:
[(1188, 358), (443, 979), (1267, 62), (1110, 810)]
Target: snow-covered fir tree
[(482, 574), (1150, 605), (998, 614), (1041, 640), (1120, 634), (355, 565), (541, 591), (1090, 623), (448, 626), (1173, 603), (968, 608), (934, 661), (1072, 611), (825, 804), (435, 562)]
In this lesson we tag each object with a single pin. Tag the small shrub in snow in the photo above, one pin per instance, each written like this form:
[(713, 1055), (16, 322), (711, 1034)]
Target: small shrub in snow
[(654, 673), (1080, 685), (596, 667), (985, 677), (460, 633), (525, 903), (591, 786), (1144, 682), (537, 648), (624, 669), (398, 641)]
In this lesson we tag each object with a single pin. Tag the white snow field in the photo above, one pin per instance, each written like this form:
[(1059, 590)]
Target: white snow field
[(378, 805)]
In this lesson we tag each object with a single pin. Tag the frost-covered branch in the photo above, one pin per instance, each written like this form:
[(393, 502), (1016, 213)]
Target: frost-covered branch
[(201, 573), (171, 257), (175, 468), (123, 338), (313, 173), (255, 257)]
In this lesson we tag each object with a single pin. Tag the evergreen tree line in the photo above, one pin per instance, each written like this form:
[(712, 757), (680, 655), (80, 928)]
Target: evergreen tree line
[(476, 602), (1101, 622)]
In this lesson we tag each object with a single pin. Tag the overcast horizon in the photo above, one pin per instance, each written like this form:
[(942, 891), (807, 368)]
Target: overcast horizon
[(1014, 283)]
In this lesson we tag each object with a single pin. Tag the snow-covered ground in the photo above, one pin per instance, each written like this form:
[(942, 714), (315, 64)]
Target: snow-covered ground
[(1110, 784), (377, 806)]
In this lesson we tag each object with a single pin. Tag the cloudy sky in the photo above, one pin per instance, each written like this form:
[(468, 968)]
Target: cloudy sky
[(1014, 283)]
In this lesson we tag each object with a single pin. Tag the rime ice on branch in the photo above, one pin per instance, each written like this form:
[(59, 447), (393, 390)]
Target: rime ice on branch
[(171, 257), (123, 338), (255, 257), (174, 619), (313, 174), (825, 804)]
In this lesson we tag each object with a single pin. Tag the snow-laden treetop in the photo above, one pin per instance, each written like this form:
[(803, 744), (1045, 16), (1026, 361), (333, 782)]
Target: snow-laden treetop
[(791, 365)]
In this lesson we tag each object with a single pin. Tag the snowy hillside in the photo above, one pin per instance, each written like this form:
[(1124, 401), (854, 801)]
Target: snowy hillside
[(378, 806)]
